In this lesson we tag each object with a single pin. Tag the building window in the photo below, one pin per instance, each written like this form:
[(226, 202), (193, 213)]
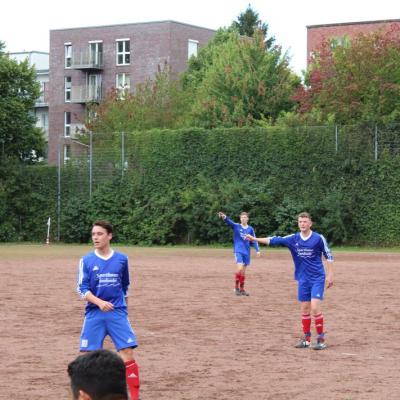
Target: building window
[(123, 52), (341, 41), (193, 46), (67, 89), (67, 123), (96, 53), (67, 153), (123, 85), (94, 92), (68, 55), (45, 121), (91, 115)]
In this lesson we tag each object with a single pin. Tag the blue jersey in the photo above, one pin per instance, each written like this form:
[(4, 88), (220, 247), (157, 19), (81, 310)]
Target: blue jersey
[(307, 254), (240, 244), (107, 279)]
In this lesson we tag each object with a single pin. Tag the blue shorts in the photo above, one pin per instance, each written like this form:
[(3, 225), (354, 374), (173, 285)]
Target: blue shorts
[(311, 290), (98, 324), (242, 258)]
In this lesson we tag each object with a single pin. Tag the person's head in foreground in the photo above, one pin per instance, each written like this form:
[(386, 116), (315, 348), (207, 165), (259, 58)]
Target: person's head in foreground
[(98, 375)]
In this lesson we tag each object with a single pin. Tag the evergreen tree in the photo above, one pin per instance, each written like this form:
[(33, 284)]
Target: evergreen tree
[(19, 138), (248, 22)]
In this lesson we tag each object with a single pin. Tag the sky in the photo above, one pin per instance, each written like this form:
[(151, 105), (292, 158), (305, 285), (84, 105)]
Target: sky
[(25, 24)]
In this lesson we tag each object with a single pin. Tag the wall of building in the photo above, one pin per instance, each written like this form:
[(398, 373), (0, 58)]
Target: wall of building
[(152, 45), (317, 34)]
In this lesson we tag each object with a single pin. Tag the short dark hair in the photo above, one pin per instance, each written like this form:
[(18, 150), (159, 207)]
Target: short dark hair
[(304, 215), (244, 213), (101, 374), (104, 224)]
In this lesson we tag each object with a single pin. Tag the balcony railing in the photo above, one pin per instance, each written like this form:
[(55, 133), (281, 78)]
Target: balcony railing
[(43, 99), (87, 60), (86, 94)]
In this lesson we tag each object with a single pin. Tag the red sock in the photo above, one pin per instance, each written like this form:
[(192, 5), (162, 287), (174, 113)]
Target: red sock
[(306, 322), (242, 279), (237, 280), (132, 378), (319, 324)]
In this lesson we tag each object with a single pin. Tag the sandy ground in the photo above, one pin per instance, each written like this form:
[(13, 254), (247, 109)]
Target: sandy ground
[(197, 339)]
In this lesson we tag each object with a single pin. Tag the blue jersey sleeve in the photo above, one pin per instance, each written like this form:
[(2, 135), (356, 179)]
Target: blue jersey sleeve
[(83, 285), (281, 241), (230, 223), (326, 250), (125, 281), (254, 244)]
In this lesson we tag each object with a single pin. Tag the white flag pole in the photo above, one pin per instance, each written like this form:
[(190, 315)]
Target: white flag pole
[(48, 231)]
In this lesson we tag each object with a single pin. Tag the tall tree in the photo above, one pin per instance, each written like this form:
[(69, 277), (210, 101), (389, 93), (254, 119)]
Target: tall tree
[(241, 83), (19, 90), (248, 22), (358, 81)]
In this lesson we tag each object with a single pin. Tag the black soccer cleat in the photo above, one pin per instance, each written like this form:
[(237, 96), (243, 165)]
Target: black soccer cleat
[(303, 344), (320, 345)]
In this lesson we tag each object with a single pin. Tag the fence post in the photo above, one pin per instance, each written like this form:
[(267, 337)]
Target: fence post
[(122, 153), (376, 142), (336, 138), (59, 191), (90, 164)]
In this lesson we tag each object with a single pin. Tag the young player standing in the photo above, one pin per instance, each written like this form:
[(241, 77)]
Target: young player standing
[(103, 280), (307, 248), (241, 248)]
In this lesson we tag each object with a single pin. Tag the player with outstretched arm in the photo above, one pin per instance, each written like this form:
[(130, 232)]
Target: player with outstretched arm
[(241, 248), (103, 281), (307, 248)]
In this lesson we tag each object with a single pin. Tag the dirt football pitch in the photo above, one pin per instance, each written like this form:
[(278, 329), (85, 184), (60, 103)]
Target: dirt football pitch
[(197, 339)]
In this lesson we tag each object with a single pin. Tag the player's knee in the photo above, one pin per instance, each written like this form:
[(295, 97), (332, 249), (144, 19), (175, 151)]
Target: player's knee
[(315, 310), (126, 354)]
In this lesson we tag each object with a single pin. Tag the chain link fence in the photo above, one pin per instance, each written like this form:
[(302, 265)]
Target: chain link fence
[(107, 157)]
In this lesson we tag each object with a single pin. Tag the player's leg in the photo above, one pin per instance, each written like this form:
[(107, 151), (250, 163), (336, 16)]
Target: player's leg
[(120, 330), (93, 331), (239, 271), (245, 261), (132, 372), (317, 295), (304, 296)]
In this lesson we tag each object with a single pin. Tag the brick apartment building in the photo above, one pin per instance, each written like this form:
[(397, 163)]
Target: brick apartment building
[(317, 34), (86, 63)]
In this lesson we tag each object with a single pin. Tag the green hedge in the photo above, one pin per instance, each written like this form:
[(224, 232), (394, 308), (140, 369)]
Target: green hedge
[(176, 181)]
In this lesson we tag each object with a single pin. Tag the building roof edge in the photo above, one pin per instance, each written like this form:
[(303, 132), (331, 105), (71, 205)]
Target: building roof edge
[(132, 23), (353, 23)]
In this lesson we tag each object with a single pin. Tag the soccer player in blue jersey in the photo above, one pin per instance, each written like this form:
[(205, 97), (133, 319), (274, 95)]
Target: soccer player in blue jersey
[(103, 281), (307, 248), (241, 248)]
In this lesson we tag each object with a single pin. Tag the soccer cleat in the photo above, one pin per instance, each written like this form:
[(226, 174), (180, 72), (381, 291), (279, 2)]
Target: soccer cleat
[(303, 344), (244, 293), (320, 345), (237, 292)]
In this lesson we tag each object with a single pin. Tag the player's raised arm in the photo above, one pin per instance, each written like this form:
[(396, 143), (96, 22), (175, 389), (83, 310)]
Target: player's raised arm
[(259, 240), (226, 219)]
